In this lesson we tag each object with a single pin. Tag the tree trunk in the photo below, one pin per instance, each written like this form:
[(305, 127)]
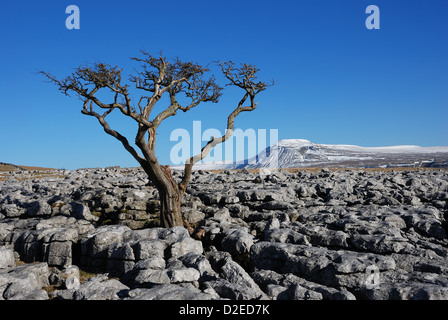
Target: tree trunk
[(170, 214), (169, 194), (170, 198)]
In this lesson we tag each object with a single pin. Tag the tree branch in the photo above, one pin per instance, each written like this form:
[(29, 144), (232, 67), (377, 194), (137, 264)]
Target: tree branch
[(87, 81), (159, 76), (241, 77), (115, 134)]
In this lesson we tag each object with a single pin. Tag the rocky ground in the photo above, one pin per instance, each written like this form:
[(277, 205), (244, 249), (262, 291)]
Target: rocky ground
[(344, 235)]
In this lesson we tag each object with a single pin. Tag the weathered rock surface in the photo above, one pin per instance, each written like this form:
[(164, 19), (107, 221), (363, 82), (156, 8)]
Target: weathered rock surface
[(338, 235)]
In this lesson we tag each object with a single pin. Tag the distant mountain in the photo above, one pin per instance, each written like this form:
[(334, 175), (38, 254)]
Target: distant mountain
[(298, 153)]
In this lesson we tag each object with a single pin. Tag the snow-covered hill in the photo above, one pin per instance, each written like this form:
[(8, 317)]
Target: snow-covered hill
[(297, 153)]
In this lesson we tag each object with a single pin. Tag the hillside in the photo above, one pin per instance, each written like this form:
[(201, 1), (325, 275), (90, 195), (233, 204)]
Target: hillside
[(12, 167)]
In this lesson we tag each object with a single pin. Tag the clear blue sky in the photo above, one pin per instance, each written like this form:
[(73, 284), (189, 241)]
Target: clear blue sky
[(336, 82)]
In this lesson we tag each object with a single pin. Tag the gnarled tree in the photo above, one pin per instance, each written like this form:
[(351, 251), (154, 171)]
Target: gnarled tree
[(158, 77)]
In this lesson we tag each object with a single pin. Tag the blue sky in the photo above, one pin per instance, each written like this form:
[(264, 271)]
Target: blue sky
[(336, 82)]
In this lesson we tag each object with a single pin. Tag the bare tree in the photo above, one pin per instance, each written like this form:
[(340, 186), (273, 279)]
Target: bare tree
[(156, 77)]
